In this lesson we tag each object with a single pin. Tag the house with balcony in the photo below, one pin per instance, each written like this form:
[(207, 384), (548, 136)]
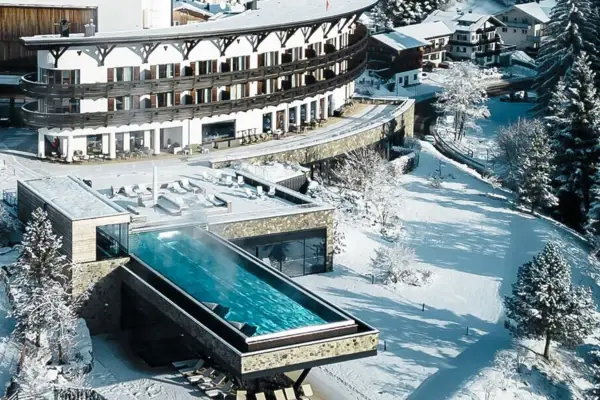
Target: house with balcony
[(525, 24), (475, 37), (395, 54), (436, 33)]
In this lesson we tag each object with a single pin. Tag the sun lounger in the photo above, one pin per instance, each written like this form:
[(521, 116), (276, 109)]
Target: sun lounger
[(184, 363), (140, 189), (228, 180), (213, 200), (193, 369), (290, 394), (259, 191), (279, 395), (260, 396), (128, 191), (201, 377), (203, 200), (176, 187), (240, 180), (185, 184), (220, 390), (271, 192), (241, 395), (212, 383), (249, 193), (307, 392)]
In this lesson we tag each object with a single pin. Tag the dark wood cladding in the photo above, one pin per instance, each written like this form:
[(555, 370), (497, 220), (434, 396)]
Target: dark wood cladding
[(184, 17), (116, 118), (19, 21), (183, 83)]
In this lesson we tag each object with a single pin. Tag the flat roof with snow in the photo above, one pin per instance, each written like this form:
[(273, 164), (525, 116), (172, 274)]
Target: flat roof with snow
[(399, 41), (270, 15), (73, 198), (540, 11)]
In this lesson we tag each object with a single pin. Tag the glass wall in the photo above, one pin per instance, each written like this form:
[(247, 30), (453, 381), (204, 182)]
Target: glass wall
[(294, 253), (112, 241)]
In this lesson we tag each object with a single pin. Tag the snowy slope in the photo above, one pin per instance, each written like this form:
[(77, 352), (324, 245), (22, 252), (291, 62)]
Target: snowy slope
[(474, 245)]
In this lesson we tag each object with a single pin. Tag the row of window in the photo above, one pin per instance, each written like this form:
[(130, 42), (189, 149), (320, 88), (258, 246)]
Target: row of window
[(199, 96), (515, 19), (523, 31)]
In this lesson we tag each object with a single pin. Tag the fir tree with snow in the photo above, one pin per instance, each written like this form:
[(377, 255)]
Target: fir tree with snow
[(393, 13), (574, 125), (464, 98), (37, 285), (572, 30), (545, 305), (535, 174)]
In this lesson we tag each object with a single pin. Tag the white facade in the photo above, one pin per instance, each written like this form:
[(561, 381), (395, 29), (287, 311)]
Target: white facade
[(408, 78), (158, 136), (525, 24)]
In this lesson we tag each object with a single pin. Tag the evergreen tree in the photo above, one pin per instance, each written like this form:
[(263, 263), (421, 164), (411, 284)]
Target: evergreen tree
[(544, 304), (594, 392), (38, 287), (572, 30), (574, 127), (535, 170), (394, 13)]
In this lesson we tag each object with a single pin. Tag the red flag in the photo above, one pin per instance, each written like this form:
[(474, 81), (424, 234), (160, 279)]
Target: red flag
[(326, 5)]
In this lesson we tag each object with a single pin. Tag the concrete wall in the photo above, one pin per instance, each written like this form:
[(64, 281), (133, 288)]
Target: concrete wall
[(310, 352), (84, 236), (102, 310), (322, 151), (281, 224)]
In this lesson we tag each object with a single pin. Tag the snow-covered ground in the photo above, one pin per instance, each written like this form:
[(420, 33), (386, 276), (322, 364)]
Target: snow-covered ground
[(481, 143), (474, 244)]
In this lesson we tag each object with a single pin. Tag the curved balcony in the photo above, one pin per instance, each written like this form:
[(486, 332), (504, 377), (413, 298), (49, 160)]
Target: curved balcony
[(142, 87), (143, 116)]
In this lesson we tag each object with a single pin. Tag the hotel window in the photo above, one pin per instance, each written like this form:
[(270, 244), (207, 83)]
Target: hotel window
[(240, 91), (240, 63), (61, 77), (505, 18), (202, 96), (123, 74), (164, 99), (121, 103), (504, 29), (62, 106), (525, 21), (165, 71), (524, 31), (207, 67), (294, 254)]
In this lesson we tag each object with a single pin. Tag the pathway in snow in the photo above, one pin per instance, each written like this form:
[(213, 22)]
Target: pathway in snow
[(474, 245)]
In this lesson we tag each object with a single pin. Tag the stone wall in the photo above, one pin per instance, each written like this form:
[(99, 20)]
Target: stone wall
[(102, 310), (325, 150), (280, 224), (310, 352)]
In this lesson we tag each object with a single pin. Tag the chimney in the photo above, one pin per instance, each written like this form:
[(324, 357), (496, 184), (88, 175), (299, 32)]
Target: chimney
[(64, 28), (254, 5), (90, 29), (470, 11)]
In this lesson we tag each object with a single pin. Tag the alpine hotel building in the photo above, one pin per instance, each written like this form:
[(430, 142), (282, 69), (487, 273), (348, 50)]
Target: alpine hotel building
[(265, 68)]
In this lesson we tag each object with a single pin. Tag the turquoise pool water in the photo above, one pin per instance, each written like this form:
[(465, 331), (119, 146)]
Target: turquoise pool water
[(210, 273)]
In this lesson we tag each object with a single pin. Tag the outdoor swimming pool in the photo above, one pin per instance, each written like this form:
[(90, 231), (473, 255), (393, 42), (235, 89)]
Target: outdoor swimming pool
[(214, 273)]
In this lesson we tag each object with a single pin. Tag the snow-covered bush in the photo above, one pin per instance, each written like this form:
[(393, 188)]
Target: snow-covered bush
[(511, 146), (8, 225), (394, 264), (392, 13), (545, 305)]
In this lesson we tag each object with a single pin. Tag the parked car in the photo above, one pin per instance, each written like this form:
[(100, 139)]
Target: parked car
[(505, 97)]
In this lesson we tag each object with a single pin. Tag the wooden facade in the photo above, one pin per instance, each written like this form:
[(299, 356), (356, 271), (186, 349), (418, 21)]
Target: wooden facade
[(183, 16), (20, 21)]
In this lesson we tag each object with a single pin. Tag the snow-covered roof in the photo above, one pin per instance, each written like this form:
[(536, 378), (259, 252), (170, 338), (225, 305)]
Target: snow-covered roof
[(73, 198), (271, 14), (540, 11), (193, 6), (426, 30), (399, 41), (462, 21)]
